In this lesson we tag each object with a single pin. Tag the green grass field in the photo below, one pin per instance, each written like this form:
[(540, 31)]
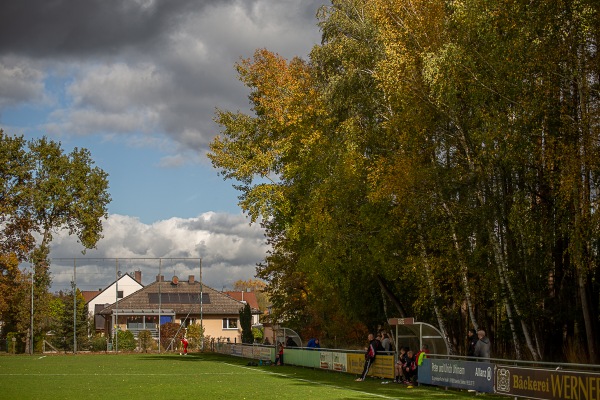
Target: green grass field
[(196, 376)]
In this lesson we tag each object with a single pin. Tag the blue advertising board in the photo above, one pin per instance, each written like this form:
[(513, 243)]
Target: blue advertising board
[(469, 375)]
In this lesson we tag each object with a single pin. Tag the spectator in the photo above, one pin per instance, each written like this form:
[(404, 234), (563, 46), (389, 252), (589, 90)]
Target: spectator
[(409, 368), (400, 364), (279, 357), (471, 342), (290, 342), (370, 355), (482, 348), (386, 343), (313, 343), (421, 355)]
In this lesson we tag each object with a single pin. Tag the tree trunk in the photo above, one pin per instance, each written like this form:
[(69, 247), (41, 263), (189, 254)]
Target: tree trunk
[(463, 268), (502, 269), (394, 299), (429, 279)]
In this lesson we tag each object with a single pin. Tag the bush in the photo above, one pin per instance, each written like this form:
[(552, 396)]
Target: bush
[(14, 346), (126, 341), (98, 343), (258, 334), (145, 340), (170, 335), (194, 335)]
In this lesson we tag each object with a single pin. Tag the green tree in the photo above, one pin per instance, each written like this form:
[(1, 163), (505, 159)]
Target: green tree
[(126, 341), (43, 191), (246, 324), (431, 159)]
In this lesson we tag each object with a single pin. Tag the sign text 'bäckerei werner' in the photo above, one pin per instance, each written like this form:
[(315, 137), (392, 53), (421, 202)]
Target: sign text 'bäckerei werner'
[(547, 384)]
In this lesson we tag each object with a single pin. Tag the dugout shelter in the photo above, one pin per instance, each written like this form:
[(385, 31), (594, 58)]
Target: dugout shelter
[(414, 335)]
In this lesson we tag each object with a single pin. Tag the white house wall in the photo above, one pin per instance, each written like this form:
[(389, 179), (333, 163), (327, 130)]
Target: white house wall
[(108, 296)]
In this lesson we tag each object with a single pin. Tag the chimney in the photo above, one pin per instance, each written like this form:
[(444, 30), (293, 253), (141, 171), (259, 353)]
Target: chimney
[(191, 279), (138, 276), (160, 278)]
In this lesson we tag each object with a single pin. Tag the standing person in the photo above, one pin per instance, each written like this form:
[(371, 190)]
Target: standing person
[(482, 348), (313, 343), (386, 343), (378, 346), (279, 358), (471, 342), (184, 342), (290, 342), (370, 355)]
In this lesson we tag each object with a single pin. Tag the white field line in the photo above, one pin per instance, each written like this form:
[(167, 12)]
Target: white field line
[(314, 382), (111, 374)]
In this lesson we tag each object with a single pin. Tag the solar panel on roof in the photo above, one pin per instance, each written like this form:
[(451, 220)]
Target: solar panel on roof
[(178, 298)]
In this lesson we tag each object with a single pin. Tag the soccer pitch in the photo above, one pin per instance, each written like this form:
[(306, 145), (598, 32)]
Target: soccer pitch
[(196, 376)]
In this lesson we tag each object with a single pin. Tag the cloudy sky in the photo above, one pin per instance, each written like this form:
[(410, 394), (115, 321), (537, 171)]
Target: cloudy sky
[(137, 83)]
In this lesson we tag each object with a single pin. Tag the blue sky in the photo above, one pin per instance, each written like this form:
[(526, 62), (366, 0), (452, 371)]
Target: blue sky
[(137, 83)]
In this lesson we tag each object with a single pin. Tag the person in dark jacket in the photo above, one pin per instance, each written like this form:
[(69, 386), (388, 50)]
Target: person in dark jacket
[(482, 348), (370, 355), (410, 368), (290, 342), (471, 342), (399, 367)]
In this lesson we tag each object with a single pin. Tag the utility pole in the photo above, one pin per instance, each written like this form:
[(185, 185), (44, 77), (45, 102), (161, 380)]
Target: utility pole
[(74, 306), (117, 305), (31, 325), (201, 304)]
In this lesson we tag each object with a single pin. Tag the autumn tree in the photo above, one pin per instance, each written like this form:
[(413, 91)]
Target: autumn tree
[(45, 190), (257, 287), (431, 159)]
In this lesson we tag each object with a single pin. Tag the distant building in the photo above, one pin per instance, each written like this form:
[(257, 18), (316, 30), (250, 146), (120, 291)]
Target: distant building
[(98, 300), (182, 302), (247, 297)]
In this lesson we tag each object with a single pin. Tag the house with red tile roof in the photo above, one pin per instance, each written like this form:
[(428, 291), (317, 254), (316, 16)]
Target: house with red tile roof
[(247, 297), (183, 302)]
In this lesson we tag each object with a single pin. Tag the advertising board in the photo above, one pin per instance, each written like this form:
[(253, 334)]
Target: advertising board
[(546, 383), (469, 375)]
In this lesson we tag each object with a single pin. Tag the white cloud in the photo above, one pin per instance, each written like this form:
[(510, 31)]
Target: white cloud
[(88, 121), (228, 246), (20, 82), (117, 87)]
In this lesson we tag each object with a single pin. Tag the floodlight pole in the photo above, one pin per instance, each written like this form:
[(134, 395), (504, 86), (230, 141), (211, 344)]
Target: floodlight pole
[(159, 299), (32, 275), (74, 306), (117, 305), (201, 305)]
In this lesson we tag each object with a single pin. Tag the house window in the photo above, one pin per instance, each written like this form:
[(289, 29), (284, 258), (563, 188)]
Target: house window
[(229, 323), (119, 294), (135, 322), (188, 322), (151, 321)]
